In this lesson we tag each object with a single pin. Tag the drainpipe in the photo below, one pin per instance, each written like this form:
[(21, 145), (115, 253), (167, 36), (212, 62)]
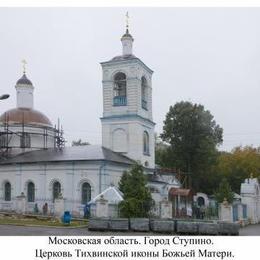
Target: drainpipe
[(20, 180), (73, 181), (100, 174)]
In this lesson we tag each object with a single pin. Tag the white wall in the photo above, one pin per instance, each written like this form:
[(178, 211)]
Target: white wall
[(24, 96), (250, 195), (71, 176), (134, 129)]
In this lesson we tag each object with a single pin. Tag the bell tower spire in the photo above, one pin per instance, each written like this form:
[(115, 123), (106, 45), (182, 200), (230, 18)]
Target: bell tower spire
[(127, 39)]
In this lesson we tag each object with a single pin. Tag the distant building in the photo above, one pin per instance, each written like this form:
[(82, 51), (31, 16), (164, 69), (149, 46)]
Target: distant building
[(35, 162)]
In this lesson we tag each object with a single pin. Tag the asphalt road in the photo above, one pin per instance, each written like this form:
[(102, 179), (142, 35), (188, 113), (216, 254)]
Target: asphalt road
[(11, 230), (250, 230)]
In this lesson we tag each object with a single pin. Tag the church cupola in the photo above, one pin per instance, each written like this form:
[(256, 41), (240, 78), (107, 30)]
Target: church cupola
[(24, 91), (127, 39)]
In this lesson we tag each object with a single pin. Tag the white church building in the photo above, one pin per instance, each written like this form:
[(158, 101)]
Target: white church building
[(35, 162)]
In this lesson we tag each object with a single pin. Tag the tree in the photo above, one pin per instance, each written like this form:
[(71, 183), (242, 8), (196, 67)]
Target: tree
[(224, 192), (238, 165), (79, 143), (193, 136), (162, 153), (137, 197)]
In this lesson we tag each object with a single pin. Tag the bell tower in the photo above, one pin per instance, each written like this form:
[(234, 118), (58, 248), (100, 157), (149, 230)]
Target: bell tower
[(127, 123)]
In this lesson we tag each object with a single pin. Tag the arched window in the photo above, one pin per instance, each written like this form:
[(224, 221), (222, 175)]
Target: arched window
[(146, 143), (144, 93), (85, 193), (120, 89), (30, 192), (56, 190), (201, 201), (7, 189)]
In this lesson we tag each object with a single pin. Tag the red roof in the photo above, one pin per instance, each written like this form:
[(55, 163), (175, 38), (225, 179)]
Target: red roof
[(26, 116), (180, 192)]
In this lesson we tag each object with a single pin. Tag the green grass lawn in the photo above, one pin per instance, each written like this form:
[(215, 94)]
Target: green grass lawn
[(40, 222)]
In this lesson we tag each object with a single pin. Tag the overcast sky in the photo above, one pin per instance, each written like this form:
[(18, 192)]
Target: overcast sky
[(204, 55)]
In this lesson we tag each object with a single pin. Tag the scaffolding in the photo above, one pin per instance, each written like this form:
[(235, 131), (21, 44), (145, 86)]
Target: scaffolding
[(25, 132)]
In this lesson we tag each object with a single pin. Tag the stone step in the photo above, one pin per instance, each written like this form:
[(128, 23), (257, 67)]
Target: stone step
[(231, 229), (121, 224), (140, 224), (163, 226), (208, 229), (186, 227), (169, 226), (97, 224)]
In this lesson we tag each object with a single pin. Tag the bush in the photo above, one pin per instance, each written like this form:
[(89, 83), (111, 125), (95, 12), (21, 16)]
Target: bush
[(137, 197)]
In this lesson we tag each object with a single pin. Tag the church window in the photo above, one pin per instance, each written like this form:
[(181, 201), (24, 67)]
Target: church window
[(146, 143), (144, 93), (85, 193), (3, 141), (25, 140), (7, 189), (120, 89), (56, 190), (31, 192)]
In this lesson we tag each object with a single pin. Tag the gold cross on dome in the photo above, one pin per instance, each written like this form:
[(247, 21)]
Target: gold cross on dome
[(24, 65), (127, 20)]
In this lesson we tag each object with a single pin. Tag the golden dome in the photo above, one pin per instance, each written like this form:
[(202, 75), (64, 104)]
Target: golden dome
[(26, 116)]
